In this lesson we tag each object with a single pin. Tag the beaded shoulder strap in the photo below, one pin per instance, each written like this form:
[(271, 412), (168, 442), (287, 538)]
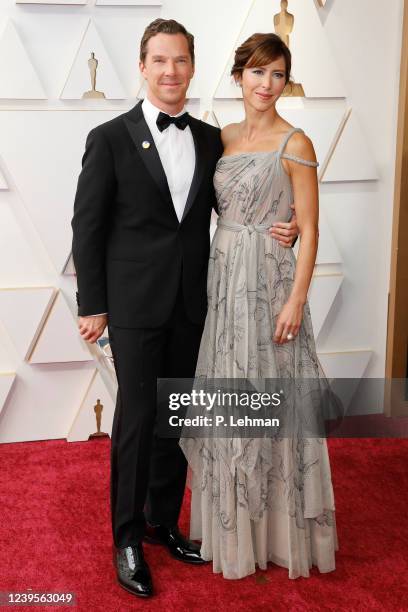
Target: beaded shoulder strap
[(294, 158)]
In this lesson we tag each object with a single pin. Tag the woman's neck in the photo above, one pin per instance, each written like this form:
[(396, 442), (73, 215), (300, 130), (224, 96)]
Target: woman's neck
[(257, 124)]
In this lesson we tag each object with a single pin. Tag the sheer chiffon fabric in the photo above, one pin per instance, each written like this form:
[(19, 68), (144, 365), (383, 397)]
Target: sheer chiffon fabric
[(270, 498)]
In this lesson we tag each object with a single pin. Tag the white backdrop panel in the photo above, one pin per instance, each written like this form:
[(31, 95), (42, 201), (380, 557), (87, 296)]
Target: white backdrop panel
[(129, 2), (18, 78), (51, 1), (23, 312), (79, 79), (352, 160), (29, 267), (312, 61), (327, 252), (42, 143), (6, 382), (47, 174), (350, 365), (322, 293), (59, 339), (85, 422), (345, 364), (3, 182), (43, 401)]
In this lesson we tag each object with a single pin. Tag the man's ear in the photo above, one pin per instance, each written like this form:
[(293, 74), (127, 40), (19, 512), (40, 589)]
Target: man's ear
[(142, 68)]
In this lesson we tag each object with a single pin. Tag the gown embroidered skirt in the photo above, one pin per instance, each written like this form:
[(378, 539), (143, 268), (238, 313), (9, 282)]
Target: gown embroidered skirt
[(267, 498)]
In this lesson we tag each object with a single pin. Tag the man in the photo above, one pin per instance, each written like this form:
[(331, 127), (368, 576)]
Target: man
[(140, 247)]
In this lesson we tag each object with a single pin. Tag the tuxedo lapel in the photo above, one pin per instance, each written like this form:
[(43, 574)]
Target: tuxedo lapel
[(140, 133), (199, 165)]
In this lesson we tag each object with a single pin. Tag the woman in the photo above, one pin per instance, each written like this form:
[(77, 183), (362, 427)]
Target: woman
[(270, 498)]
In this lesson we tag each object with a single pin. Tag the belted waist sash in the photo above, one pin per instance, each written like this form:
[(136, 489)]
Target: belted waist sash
[(239, 227)]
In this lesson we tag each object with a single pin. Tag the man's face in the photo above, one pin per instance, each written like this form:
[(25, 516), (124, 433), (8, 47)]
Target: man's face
[(167, 68)]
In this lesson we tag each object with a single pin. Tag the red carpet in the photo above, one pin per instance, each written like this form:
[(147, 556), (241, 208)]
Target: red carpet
[(55, 536)]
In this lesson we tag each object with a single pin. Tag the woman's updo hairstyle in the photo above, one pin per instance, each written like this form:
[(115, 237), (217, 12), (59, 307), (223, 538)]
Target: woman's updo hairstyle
[(260, 50)]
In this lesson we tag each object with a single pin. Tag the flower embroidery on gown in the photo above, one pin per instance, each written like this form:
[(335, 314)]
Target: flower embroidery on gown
[(270, 498)]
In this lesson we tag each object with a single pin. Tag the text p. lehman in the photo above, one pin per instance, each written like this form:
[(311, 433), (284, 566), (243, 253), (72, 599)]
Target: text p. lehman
[(219, 420)]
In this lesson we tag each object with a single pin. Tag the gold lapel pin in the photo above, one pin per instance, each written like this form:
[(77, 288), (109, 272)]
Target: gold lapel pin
[(145, 144)]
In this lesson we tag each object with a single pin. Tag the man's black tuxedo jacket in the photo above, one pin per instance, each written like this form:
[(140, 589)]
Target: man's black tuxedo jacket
[(129, 248)]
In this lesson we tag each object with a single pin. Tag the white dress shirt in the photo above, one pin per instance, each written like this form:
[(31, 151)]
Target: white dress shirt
[(177, 155)]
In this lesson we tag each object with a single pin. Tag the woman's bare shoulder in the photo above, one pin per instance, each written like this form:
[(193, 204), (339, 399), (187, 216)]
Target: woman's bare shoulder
[(229, 133), (300, 145)]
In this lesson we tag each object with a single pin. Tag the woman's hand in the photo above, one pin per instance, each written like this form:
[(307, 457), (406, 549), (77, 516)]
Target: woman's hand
[(288, 321)]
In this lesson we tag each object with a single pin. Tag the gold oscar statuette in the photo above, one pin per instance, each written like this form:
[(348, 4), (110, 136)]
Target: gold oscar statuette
[(98, 408), (93, 93), (284, 23)]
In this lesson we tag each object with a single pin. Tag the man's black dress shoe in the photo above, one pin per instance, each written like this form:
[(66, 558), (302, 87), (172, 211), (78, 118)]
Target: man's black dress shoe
[(179, 547), (133, 572)]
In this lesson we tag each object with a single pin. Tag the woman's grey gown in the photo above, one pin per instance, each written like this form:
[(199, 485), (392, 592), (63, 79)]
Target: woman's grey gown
[(263, 499)]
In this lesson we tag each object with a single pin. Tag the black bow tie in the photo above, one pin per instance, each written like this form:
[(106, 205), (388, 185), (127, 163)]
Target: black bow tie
[(163, 121)]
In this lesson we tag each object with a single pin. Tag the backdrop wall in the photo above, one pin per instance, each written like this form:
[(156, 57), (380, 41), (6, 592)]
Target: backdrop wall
[(346, 55)]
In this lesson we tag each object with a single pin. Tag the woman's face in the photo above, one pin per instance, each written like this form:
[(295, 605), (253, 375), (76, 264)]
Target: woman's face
[(262, 85)]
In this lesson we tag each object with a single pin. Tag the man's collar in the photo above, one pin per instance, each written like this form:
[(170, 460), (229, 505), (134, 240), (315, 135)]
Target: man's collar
[(151, 111)]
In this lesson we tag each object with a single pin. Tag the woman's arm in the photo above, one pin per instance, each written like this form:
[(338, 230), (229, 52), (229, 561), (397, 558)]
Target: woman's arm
[(306, 197)]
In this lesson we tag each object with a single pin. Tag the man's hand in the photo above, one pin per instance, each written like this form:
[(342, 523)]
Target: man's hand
[(91, 328), (285, 233)]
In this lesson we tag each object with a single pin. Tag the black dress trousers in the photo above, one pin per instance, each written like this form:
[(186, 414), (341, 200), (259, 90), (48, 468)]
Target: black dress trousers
[(148, 473)]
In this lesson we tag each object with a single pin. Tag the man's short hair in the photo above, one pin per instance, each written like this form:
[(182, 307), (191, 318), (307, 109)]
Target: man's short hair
[(165, 26)]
